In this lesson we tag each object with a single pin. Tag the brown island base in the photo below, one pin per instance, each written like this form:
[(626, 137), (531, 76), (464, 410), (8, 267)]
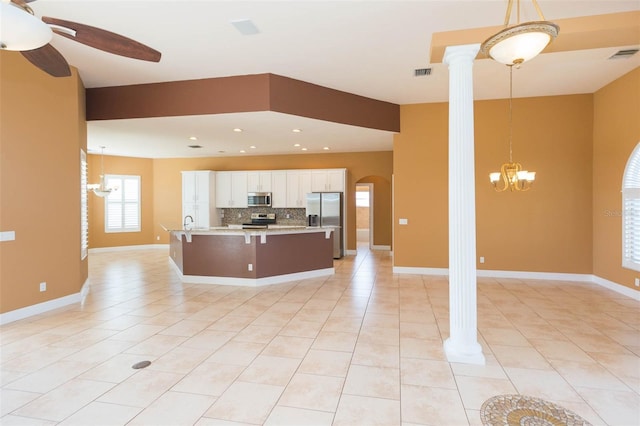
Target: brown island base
[(251, 257)]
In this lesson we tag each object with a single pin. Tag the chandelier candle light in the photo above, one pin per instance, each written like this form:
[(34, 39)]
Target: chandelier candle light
[(100, 189), (511, 173)]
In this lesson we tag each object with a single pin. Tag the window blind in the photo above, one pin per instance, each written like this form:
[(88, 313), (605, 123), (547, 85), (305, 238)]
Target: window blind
[(122, 205), (631, 212), (84, 210)]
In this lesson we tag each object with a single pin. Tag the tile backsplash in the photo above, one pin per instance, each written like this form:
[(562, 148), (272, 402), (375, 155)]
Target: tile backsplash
[(283, 216)]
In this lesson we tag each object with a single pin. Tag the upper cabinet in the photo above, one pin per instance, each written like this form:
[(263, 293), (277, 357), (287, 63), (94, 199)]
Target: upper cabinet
[(298, 186), (198, 198), (279, 189), (231, 189), (259, 181), (332, 180)]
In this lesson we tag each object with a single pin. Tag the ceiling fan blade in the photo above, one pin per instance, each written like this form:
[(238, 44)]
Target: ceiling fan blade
[(104, 40), (49, 60)]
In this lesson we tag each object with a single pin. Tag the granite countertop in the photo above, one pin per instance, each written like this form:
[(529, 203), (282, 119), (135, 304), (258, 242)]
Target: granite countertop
[(237, 230)]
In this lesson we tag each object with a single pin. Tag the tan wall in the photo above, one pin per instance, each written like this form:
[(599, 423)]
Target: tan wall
[(113, 165), (616, 133), (547, 229), (167, 189), (42, 129)]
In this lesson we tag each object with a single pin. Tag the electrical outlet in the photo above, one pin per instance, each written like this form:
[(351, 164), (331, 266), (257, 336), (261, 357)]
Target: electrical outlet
[(43, 286), (403, 221), (250, 267), (481, 259), (239, 215), (158, 238), (637, 282)]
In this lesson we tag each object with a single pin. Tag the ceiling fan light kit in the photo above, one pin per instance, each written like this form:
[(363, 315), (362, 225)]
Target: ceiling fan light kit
[(520, 42), (22, 31)]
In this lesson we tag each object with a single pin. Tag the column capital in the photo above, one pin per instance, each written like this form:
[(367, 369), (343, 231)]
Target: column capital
[(464, 52)]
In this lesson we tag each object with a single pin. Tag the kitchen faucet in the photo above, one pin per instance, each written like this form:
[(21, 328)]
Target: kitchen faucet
[(184, 223)]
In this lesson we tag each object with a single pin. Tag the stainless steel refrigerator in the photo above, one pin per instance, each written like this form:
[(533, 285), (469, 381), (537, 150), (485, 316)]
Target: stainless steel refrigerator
[(327, 206)]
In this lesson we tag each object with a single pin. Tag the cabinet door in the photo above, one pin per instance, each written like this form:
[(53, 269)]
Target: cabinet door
[(304, 188), (335, 180), (293, 189), (279, 189), (239, 189), (188, 187), (202, 187), (259, 181), (319, 180), (223, 189)]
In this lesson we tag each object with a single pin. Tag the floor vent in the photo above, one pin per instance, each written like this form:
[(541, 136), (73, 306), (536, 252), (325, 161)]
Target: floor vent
[(623, 54), (419, 72)]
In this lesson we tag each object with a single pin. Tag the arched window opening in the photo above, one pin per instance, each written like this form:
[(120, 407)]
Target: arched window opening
[(631, 212)]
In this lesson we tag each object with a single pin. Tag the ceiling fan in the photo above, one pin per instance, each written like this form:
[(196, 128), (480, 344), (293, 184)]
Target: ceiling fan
[(21, 30)]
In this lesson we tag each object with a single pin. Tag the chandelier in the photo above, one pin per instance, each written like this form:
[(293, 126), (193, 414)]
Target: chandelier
[(511, 173), (99, 188), (520, 42)]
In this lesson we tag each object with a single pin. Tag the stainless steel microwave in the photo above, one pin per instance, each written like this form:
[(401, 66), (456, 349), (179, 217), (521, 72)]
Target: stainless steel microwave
[(259, 199)]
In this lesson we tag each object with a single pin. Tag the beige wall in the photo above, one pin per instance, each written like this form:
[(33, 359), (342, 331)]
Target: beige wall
[(616, 133), (167, 189), (547, 229), (42, 129)]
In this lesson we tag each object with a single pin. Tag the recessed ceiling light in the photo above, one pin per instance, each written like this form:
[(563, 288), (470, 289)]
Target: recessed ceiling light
[(252, 147), (193, 138), (242, 151), (221, 152), (296, 145), (296, 130), (195, 146), (326, 148), (304, 149), (237, 129)]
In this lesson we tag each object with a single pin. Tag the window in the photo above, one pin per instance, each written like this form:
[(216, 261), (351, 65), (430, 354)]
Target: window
[(84, 211), (122, 205), (631, 212), (362, 198)]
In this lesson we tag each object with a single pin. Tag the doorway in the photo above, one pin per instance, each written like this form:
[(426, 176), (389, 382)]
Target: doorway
[(364, 214)]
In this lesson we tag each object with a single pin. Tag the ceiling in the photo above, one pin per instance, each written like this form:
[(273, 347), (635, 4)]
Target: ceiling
[(369, 48)]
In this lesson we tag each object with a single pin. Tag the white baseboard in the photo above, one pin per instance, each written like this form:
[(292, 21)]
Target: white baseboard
[(84, 291), (618, 288), (40, 308), (380, 247), (420, 271), (557, 276), (350, 252), (549, 276), (127, 248)]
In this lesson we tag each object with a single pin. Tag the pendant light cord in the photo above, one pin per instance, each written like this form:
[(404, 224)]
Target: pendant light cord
[(510, 113)]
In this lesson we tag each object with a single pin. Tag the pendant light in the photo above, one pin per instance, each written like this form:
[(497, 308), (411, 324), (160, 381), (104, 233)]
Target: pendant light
[(100, 189)]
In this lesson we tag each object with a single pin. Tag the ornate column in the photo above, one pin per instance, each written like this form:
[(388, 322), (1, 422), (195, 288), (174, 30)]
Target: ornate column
[(462, 344)]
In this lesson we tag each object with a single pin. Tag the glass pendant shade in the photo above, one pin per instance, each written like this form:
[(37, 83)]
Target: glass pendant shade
[(520, 43), (20, 30)]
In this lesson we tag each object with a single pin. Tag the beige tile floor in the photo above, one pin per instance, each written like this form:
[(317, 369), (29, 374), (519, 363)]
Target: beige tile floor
[(362, 347)]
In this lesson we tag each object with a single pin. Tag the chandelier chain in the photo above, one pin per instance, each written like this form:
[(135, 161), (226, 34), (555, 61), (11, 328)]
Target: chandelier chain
[(510, 113)]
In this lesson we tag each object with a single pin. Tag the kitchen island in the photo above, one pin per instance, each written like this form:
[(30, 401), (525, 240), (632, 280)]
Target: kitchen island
[(251, 257)]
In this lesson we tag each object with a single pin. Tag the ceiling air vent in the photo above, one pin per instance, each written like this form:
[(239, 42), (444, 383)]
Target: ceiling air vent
[(419, 72), (194, 146), (623, 54)]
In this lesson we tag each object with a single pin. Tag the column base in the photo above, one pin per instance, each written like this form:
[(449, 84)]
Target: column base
[(465, 354)]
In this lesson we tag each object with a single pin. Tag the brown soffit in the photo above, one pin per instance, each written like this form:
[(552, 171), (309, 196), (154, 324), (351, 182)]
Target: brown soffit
[(587, 32), (261, 92)]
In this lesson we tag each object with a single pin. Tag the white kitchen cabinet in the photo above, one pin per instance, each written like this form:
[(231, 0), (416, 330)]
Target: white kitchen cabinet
[(298, 186), (231, 189), (279, 189), (259, 181), (198, 198), (330, 180)]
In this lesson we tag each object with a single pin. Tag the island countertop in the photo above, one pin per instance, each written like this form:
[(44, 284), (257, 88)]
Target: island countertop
[(238, 230)]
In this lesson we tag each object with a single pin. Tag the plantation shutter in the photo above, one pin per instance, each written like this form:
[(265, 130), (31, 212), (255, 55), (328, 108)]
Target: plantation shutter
[(122, 206), (631, 212)]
